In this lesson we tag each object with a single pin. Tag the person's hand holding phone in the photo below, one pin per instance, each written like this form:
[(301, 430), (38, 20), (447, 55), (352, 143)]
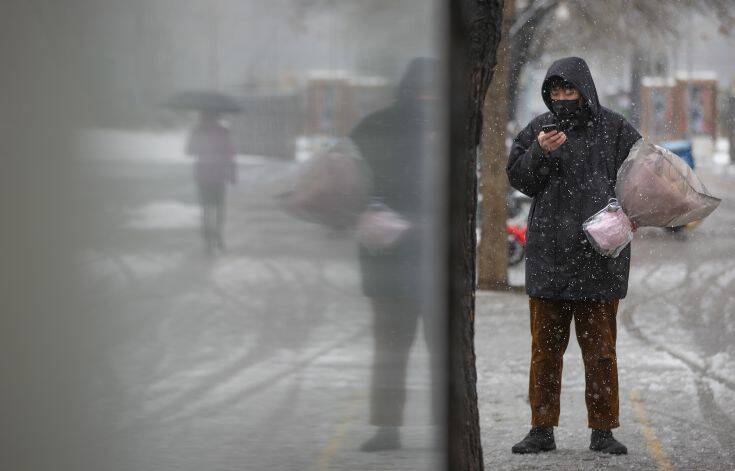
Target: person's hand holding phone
[(550, 139)]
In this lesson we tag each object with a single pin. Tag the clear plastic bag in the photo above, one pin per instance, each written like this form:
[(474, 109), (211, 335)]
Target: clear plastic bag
[(657, 188), (330, 188), (609, 230)]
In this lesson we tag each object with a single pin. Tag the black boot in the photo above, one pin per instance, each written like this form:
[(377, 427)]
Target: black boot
[(386, 438), (603, 440), (538, 439)]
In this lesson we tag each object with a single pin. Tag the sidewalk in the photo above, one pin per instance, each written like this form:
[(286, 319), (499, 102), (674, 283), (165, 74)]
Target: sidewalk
[(502, 342), (673, 416), (676, 359), (260, 358)]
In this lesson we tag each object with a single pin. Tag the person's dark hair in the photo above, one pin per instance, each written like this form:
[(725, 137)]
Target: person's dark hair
[(558, 82)]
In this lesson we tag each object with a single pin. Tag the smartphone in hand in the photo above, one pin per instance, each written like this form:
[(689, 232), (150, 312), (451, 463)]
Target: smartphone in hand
[(547, 128)]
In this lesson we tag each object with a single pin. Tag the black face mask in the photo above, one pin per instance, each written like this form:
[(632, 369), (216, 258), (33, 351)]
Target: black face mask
[(565, 108)]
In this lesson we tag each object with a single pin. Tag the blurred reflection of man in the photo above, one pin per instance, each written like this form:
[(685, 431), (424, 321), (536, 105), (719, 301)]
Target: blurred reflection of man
[(215, 166), (393, 141)]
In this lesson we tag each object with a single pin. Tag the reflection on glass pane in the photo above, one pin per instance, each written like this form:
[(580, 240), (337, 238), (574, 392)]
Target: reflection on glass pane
[(259, 274)]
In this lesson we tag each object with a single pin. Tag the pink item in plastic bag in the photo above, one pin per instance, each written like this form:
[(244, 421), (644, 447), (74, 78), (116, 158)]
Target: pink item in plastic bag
[(379, 229), (609, 230)]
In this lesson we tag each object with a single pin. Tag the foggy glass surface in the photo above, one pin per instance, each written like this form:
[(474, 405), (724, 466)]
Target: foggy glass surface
[(223, 290)]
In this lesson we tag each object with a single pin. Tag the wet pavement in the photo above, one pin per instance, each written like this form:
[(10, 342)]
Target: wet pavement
[(259, 357)]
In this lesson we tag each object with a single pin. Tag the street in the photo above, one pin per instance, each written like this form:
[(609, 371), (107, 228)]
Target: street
[(255, 358), (259, 357)]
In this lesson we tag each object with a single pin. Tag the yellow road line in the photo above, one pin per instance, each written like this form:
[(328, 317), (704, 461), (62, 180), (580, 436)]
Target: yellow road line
[(653, 444), (335, 443)]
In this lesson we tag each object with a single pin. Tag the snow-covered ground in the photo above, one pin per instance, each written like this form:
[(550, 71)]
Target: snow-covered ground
[(255, 358), (260, 357)]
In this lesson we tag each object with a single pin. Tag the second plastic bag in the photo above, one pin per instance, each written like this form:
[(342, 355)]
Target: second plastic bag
[(657, 188), (609, 230)]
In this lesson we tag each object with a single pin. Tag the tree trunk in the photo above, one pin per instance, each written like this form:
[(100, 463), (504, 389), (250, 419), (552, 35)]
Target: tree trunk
[(493, 249), (474, 38)]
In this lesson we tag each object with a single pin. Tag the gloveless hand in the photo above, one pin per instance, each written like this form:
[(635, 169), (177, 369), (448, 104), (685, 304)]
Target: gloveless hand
[(551, 141)]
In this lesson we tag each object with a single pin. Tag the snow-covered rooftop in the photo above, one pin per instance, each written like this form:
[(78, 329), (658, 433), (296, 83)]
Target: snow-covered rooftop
[(354, 79), (680, 75), (697, 75), (658, 82)]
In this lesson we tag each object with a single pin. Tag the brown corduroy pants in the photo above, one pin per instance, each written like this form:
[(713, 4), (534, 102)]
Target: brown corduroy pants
[(595, 325)]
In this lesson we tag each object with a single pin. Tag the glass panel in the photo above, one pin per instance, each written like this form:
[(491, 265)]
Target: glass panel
[(227, 241)]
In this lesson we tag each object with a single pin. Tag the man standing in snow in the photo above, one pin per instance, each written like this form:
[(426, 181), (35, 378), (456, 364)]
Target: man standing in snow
[(570, 172)]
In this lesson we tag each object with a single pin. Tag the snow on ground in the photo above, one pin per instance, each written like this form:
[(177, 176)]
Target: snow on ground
[(101, 144), (266, 348), (115, 144), (723, 364), (165, 214), (722, 152), (711, 154)]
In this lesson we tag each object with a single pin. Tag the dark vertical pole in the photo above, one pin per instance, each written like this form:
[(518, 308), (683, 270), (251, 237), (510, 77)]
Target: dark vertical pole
[(731, 123), (636, 74), (474, 37)]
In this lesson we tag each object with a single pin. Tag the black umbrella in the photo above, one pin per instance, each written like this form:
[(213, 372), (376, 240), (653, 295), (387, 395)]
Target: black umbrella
[(204, 101)]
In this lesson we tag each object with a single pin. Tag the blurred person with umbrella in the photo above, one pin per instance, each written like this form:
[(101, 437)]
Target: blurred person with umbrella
[(210, 143)]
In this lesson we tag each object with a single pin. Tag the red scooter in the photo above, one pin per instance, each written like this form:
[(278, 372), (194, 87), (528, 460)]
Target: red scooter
[(516, 226), (516, 243)]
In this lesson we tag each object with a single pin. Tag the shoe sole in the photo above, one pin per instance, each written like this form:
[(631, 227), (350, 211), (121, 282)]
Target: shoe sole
[(540, 450), (609, 452)]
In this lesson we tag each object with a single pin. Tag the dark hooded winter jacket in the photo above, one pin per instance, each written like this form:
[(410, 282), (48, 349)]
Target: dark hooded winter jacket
[(394, 142), (568, 186)]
